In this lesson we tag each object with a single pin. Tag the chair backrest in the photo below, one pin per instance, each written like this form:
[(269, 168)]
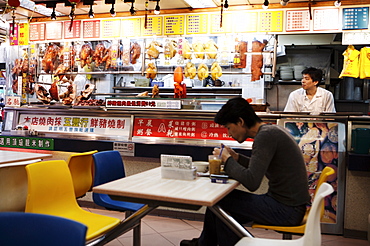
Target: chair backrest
[(312, 233), (324, 176), (19, 229), (50, 188), (81, 167), (108, 167)]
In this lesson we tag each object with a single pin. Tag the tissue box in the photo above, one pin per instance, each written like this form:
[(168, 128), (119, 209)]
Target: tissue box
[(178, 173), (176, 161)]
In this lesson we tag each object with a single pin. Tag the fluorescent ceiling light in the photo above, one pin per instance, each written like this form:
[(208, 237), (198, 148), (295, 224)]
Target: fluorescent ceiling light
[(201, 3)]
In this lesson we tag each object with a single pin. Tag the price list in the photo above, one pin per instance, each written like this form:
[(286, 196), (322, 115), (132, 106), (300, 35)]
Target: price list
[(325, 19), (249, 22), (271, 21), (111, 28), (355, 18), (37, 31), (131, 27), (226, 23), (153, 27), (23, 33), (91, 29), (75, 31), (174, 25), (54, 30), (197, 24), (297, 20)]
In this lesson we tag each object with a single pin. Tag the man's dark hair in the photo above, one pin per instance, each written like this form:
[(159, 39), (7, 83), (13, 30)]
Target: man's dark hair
[(235, 109), (315, 74)]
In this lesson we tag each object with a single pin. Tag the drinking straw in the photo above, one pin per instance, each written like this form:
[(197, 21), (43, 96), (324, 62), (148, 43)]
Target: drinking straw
[(222, 148)]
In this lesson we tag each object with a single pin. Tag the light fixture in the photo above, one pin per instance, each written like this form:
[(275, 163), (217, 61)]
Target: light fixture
[(265, 4), (337, 3), (226, 5), (112, 12), (91, 12), (157, 9), (284, 2), (53, 16), (132, 10)]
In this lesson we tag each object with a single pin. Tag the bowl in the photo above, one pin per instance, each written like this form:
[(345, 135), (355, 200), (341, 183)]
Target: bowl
[(202, 166)]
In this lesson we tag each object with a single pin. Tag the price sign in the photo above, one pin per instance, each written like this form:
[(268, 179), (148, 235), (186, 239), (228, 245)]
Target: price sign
[(153, 27), (37, 31), (227, 23), (197, 24), (91, 29), (75, 31), (13, 101), (297, 20), (271, 21), (13, 34), (131, 27), (355, 18), (326, 19), (111, 28), (174, 25), (54, 30), (250, 25), (23, 34)]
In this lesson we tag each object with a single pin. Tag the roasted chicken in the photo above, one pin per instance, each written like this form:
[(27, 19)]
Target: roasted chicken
[(98, 54), (50, 58), (86, 54), (152, 49), (187, 50), (198, 49), (151, 71), (211, 49), (170, 49), (216, 71), (111, 57), (190, 70), (135, 51), (202, 71), (155, 91)]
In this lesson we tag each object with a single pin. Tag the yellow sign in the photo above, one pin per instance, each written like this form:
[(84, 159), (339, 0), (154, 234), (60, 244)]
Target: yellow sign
[(271, 21), (23, 34), (153, 26), (221, 25), (131, 27), (197, 24), (250, 20), (110, 28), (174, 25)]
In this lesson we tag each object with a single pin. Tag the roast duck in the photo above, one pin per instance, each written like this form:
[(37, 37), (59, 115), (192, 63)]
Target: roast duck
[(69, 95), (16, 70), (85, 94), (111, 57), (49, 62), (152, 49), (98, 54), (240, 58), (86, 54), (42, 94), (67, 57), (135, 51), (257, 59)]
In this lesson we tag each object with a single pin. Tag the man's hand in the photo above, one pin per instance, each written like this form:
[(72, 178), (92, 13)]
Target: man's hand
[(226, 153)]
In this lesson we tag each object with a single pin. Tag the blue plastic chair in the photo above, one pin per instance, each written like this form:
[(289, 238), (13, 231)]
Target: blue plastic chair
[(109, 167), (19, 229)]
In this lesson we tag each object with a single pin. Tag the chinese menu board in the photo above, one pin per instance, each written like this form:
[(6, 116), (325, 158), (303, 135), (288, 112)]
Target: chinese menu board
[(37, 31), (75, 31), (117, 126), (355, 18), (325, 19), (142, 103), (54, 30), (197, 24), (174, 25), (319, 145), (23, 33), (297, 20), (91, 29), (250, 24), (271, 21), (176, 128), (153, 26), (111, 28), (131, 27), (227, 23), (13, 34)]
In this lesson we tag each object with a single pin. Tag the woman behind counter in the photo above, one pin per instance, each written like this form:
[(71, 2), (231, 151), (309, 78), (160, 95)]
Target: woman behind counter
[(311, 97)]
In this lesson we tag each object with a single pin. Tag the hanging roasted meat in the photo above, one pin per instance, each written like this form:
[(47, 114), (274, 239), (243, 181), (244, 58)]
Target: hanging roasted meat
[(135, 52), (86, 54), (69, 95), (152, 49), (240, 58), (50, 58), (99, 53), (111, 57), (42, 94), (54, 91), (257, 59)]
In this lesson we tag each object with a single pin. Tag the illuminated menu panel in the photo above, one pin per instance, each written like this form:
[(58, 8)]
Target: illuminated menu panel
[(297, 20), (91, 29), (23, 33), (226, 21), (75, 31), (37, 31), (131, 27), (271, 21), (111, 28), (326, 19), (54, 30), (174, 25), (197, 24), (249, 21), (355, 18), (153, 26)]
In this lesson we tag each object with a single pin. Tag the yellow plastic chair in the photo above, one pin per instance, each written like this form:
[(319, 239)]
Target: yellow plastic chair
[(288, 231), (50, 191), (81, 167)]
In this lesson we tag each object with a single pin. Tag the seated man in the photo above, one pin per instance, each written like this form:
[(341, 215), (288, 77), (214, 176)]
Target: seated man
[(276, 155)]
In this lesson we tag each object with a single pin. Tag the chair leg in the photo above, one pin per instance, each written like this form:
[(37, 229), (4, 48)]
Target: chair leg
[(287, 236), (136, 231)]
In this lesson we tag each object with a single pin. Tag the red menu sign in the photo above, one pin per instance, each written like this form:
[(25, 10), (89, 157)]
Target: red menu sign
[(91, 29), (176, 128), (37, 31), (75, 31), (13, 34)]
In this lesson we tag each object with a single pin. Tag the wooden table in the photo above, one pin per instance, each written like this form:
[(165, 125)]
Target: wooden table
[(149, 188), (13, 178)]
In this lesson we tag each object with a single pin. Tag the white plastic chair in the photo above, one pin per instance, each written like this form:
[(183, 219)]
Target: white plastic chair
[(312, 233)]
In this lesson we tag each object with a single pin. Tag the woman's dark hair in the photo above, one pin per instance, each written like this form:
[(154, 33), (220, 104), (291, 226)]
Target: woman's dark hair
[(235, 109), (315, 74)]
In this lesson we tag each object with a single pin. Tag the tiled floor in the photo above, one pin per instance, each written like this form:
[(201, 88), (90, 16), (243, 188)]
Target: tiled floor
[(163, 231)]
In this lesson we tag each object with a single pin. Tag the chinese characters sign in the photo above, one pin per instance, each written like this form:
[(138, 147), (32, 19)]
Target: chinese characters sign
[(27, 142), (175, 128), (79, 124), (137, 103)]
